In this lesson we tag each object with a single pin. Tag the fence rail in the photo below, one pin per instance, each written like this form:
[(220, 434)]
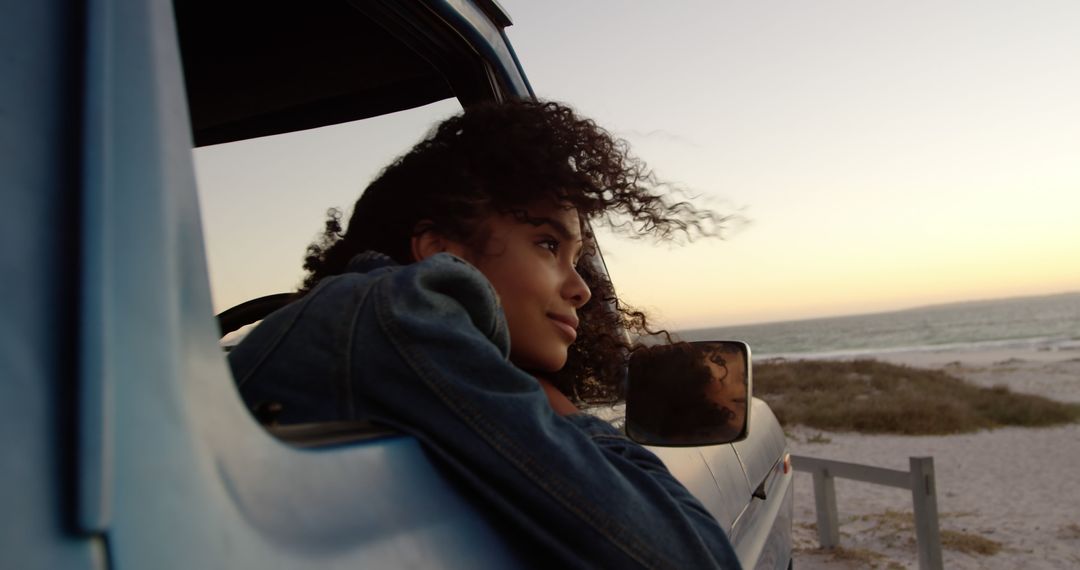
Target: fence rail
[(919, 481)]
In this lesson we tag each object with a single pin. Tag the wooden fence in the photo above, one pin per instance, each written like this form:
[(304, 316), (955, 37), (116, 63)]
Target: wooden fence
[(919, 481)]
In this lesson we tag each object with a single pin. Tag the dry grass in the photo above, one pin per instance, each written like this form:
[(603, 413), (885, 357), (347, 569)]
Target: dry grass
[(969, 543), (896, 529), (862, 557), (890, 520), (875, 397), (1070, 531)]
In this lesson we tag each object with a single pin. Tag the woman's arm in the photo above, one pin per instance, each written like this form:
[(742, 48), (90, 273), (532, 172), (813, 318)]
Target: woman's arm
[(437, 368)]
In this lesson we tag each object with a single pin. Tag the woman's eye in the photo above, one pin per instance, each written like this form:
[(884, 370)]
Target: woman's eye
[(551, 245)]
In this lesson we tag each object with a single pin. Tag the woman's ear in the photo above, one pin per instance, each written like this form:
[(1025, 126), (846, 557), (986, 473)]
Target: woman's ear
[(427, 241), (425, 244)]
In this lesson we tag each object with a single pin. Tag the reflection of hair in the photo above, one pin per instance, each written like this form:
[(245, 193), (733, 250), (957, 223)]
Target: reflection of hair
[(718, 353), (495, 159), (667, 397)]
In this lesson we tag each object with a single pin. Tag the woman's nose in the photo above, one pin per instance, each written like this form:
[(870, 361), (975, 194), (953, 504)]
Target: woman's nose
[(576, 290)]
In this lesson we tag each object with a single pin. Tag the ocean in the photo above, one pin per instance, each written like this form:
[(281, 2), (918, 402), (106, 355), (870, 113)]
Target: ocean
[(1047, 322)]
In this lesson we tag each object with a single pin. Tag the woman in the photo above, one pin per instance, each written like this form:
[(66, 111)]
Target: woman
[(461, 306)]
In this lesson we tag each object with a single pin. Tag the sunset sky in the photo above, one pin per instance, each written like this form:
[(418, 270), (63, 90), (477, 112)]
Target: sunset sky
[(885, 154)]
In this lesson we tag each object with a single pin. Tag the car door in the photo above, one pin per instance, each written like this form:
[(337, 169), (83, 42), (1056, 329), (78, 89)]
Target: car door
[(138, 450), (714, 475), (762, 532)]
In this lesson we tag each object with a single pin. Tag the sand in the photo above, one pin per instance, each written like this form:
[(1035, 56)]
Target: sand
[(1015, 491)]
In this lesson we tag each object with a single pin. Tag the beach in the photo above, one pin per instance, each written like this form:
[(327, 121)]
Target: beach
[(1007, 498)]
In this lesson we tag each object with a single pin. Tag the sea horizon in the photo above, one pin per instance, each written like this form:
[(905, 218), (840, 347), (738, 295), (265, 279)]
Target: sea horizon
[(1046, 322)]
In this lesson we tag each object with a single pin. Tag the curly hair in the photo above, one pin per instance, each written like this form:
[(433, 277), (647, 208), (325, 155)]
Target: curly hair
[(497, 157)]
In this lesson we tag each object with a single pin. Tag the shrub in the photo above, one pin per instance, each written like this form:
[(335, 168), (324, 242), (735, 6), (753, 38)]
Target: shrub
[(876, 397)]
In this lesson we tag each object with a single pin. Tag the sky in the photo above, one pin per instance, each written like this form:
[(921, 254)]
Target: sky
[(883, 154)]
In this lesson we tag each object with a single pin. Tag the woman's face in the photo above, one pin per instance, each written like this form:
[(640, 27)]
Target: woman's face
[(531, 264)]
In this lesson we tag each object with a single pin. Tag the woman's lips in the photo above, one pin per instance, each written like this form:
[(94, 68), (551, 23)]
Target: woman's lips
[(568, 325)]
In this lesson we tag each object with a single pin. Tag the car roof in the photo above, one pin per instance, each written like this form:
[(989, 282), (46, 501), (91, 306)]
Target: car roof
[(257, 68)]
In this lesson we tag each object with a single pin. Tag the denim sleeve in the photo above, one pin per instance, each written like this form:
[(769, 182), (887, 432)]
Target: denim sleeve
[(437, 368)]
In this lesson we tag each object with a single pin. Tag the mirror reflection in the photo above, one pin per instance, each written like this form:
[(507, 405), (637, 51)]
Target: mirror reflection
[(689, 393)]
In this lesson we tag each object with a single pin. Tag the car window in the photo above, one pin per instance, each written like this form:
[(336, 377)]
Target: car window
[(264, 200)]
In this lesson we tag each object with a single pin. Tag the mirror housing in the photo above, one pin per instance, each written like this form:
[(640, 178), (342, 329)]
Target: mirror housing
[(689, 393)]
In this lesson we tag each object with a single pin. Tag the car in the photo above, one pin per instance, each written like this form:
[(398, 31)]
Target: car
[(125, 441)]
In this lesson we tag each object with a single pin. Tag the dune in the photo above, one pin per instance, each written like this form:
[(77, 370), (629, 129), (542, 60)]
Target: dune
[(1006, 498)]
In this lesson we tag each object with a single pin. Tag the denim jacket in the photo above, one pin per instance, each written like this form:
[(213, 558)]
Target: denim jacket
[(424, 348)]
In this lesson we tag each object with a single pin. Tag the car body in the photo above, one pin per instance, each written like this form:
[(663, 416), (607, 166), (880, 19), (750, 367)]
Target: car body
[(125, 441)]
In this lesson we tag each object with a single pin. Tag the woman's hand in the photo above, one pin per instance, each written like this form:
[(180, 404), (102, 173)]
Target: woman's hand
[(559, 402)]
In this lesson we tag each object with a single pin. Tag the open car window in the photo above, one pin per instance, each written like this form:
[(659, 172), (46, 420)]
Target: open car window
[(264, 200), (298, 113)]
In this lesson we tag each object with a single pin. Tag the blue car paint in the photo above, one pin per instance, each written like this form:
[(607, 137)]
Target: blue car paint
[(125, 443)]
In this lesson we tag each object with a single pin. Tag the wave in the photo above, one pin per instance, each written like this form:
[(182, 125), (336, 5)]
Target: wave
[(1043, 343)]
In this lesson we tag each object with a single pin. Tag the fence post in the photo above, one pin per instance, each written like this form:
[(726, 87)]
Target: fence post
[(924, 499), (825, 501)]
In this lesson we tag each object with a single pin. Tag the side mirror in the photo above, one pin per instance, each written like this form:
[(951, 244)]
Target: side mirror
[(689, 393)]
